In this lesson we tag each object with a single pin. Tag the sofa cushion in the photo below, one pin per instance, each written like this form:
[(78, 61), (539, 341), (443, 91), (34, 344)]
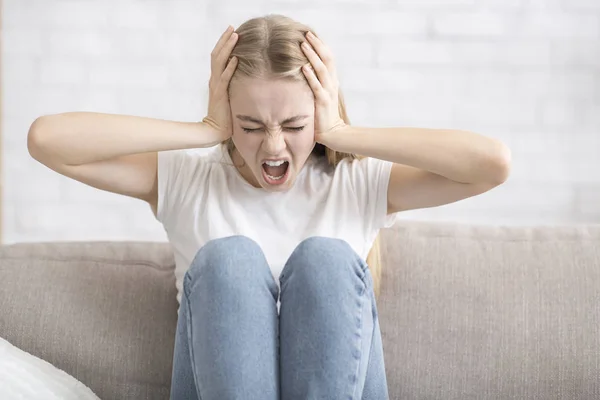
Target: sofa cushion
[(104, 313)]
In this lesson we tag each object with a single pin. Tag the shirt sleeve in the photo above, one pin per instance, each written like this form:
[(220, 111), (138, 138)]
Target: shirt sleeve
[(177, 173), (370, 179)]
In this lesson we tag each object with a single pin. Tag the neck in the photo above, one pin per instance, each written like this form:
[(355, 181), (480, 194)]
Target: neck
[(242, 167)]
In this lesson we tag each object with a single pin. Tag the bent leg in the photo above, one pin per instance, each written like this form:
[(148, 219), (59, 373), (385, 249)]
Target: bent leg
[(329, 329), (230, 323)]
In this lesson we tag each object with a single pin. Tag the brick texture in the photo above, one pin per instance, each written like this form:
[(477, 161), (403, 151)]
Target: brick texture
[(524, 71)]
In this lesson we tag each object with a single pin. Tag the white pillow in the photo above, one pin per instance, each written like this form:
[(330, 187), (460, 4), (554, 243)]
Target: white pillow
[(26, 377)]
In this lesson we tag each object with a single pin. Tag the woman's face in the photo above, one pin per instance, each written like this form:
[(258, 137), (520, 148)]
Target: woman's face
[(273, 130)]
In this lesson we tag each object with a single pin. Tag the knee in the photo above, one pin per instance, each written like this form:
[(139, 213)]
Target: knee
[(319, 246), (317, 252), (220, 255)]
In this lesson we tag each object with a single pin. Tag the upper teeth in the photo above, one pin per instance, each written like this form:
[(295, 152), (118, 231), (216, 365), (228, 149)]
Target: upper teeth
[(274, 163)]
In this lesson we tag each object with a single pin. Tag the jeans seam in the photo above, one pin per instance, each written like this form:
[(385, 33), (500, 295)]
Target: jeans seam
[(360, 327), (189, 339), (197, 276)]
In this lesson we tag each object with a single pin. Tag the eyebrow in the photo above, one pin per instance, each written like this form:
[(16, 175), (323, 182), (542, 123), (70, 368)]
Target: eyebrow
[(258, 121)]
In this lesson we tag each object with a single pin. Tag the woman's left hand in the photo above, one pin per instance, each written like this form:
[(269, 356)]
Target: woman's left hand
[(322, 78)]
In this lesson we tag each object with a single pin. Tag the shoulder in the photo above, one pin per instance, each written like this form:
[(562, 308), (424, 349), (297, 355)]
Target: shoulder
[(349, 167), (184, 176), (191, 159), (181, 170), (360, 166), (365, 175), (211, 154)]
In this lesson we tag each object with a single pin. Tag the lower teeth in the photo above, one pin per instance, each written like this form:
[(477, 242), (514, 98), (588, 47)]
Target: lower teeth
[(275, 178)]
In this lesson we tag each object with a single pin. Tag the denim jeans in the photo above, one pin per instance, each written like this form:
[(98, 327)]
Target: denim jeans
[(231, 343)]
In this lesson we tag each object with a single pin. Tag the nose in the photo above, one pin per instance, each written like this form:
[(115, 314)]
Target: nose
[(274, 143)]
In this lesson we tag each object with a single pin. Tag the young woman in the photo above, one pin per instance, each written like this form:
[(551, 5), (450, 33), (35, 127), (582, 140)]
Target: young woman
[(272, 231)]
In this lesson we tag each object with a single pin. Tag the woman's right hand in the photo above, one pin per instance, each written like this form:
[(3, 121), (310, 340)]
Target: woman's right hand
[(219, 110)]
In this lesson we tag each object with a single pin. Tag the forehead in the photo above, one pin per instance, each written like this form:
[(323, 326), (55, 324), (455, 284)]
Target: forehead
[(268, 99)]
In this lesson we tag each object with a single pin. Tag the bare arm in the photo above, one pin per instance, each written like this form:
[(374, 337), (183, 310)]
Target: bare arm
[(117, 153), (432, 167)]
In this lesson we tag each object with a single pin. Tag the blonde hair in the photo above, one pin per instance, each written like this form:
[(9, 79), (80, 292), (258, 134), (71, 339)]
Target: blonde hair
[(268, 47)]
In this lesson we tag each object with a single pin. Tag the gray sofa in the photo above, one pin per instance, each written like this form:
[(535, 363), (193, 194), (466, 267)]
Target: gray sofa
[(466, 312)]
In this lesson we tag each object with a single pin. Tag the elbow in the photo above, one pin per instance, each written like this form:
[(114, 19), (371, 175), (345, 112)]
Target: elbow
[(37, 138), (33, 139), (501, 163)]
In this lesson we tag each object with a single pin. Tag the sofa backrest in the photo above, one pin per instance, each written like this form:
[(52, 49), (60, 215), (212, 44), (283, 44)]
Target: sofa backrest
[(482, 312), (103, 312)]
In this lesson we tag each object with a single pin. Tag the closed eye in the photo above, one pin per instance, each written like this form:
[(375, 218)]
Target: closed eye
[(294, 128)]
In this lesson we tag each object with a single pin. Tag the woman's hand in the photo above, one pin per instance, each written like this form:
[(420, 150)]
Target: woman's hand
[(322, 78), (219, 110)]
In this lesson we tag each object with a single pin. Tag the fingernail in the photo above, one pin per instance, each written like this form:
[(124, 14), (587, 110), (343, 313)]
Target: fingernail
[(310, 34)]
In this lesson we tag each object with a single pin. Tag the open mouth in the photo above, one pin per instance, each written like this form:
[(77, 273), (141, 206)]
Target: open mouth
[(275, 172)]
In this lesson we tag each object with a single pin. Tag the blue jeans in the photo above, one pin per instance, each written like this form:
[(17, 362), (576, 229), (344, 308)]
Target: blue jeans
[(232, 344)]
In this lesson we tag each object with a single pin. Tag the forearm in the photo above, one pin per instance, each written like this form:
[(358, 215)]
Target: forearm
[(84, 137), (458, 155)]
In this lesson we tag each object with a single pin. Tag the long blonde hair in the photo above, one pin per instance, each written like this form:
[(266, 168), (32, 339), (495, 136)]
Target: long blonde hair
[(268, 47)]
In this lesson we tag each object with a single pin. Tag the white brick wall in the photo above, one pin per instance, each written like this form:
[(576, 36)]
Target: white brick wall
[(524, 71)]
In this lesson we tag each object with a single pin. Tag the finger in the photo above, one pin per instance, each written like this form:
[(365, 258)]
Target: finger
[(222, 41), (313, 82), (317, 64), (220, 61), (228, 73), (324, 53)]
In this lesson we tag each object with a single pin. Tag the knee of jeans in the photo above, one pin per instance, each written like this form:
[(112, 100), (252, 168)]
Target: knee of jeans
[(217, 254), (318, 251), (320, 245)]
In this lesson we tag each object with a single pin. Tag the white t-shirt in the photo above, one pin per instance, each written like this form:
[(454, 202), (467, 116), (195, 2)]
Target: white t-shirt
[(202, 196)]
